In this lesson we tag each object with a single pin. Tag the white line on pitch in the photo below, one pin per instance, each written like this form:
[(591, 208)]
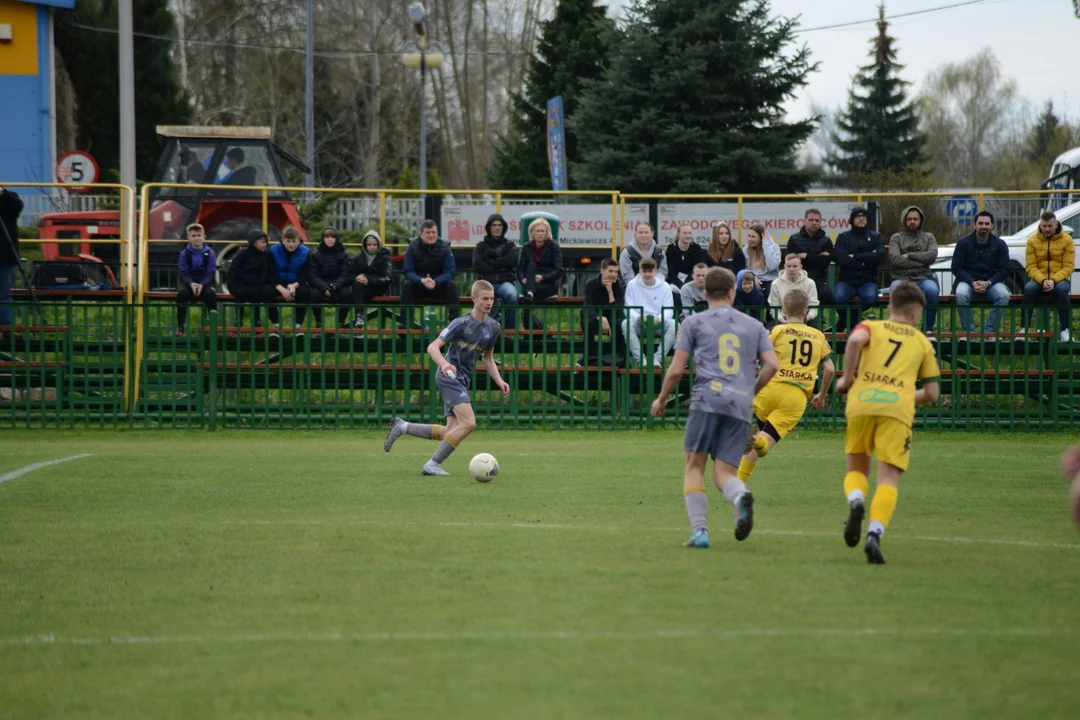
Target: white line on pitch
[(620, 528), (497, 636), (37, 466)]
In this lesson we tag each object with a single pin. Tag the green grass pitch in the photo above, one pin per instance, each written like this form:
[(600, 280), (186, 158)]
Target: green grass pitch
[(283, 575)]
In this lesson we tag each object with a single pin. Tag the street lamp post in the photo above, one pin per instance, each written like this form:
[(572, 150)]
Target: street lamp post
[(422, 53)]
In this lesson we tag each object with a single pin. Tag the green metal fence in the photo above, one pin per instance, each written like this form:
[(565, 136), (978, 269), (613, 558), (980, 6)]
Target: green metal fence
[(76, 364)]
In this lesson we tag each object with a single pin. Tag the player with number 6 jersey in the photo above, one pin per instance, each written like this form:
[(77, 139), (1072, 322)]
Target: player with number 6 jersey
[(779, 407), (727, 346), (883, 361)]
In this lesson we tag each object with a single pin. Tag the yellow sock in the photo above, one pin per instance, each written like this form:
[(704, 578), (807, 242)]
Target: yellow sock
[(884, 504), (437, 432), (761, 446), (692, 489), (855, 480), (746, 469)]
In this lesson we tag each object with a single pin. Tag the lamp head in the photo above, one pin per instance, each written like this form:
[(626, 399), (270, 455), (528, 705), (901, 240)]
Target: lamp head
[(416, 17)]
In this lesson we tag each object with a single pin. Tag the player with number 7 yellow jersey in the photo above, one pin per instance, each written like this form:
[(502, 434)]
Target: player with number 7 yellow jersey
[(883, 361)]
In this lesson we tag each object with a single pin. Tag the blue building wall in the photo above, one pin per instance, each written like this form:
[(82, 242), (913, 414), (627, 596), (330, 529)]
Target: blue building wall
[(26, 134)]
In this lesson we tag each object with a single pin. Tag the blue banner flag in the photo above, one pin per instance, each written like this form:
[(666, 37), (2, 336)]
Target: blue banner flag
[(556, 143)]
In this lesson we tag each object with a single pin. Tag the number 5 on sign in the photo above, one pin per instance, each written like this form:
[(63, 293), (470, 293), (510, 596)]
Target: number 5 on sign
[(76, 168), (728, 353)]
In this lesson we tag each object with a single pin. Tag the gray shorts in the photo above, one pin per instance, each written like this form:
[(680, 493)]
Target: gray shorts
[(721, 437), (453, 391)]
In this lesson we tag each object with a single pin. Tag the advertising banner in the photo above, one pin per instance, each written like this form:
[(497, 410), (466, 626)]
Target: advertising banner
[(586, 225), (780, 219)]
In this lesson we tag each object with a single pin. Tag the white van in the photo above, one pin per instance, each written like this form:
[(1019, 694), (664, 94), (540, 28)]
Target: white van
[(1064, 175), (1068, 216)]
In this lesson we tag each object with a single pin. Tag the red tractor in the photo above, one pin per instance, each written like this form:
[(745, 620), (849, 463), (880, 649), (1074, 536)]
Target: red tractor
[(224, 157)]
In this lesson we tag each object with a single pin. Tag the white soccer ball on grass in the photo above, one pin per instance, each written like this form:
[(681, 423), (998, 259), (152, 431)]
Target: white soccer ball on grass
[(484, 467)]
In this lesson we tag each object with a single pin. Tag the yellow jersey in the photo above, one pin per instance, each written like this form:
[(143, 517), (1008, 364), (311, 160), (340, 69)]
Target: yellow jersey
[(800, 349), (890, 363)]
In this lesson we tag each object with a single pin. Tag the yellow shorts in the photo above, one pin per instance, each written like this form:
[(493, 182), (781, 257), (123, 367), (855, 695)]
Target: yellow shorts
[(781, 405), (887, 436)]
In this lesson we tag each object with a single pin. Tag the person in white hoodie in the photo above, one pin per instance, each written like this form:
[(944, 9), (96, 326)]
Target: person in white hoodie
[(647, 295), (794, 278)]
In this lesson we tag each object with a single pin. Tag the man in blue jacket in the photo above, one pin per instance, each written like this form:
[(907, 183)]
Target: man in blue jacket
[(859, 252), (980, 265), (290, 259), (429, 271)]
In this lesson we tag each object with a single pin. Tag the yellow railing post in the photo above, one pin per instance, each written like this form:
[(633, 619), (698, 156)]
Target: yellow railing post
[(615, 202), (266, 211), (619, 228), (144, 279), (981, 200), (498, 202), (382, 216), (738, 220)]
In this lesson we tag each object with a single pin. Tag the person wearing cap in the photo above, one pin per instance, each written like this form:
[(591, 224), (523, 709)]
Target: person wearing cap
[(252, 275), (859, 252)]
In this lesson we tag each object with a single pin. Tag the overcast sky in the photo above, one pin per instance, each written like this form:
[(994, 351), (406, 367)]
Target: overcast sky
[(1034, 40)]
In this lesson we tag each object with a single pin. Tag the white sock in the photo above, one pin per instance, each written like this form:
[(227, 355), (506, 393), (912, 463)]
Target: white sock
[(405, 426), (733, 489), (855, 495), (875, 526)]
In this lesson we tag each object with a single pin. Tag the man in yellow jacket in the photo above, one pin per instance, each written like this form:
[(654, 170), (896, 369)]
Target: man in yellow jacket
[(1050, 261)]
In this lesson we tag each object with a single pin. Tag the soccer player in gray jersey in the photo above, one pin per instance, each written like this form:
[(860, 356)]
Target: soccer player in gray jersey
[(727, 346), (469, 337)]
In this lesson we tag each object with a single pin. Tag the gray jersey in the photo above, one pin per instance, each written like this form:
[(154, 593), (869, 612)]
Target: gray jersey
[(725, 344), (467, 338)]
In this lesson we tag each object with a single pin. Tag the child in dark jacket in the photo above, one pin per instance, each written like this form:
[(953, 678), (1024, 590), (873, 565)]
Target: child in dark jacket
[(252, 275), (748, 297), (328, 276), (371, 274), (198, 264)]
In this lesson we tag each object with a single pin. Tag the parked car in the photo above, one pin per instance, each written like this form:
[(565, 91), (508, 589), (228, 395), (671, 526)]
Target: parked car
[(1069, 216)]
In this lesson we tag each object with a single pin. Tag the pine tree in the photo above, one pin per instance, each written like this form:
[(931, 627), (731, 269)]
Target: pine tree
[(879, 130), (692, 102), (1043, 134), (571, 49), (91, 60)]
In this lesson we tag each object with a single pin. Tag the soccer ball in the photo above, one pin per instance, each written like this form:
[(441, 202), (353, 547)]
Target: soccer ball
[(484, 467)]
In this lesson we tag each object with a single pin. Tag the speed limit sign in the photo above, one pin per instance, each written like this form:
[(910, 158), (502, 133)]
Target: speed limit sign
[(77, 169)]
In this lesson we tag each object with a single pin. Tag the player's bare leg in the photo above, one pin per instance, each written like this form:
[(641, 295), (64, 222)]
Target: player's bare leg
[(726, 479), (697, 504), (458, 427), (881, 510), (856, 488)]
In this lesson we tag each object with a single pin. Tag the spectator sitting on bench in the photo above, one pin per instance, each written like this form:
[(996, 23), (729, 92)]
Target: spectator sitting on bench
[(859, 252), (495, 259), (252, 276), (911, 253), (643, 247), (291, 265), (794, 278), (198, 263), (683, 255), (762, 257), (604, 294), (693, 292), (748, 296), (371, 274), (429, 271), (724, 251), (980, 265), (1050, 260), (540, 268), (647, 295), (815, 249), (328, 278)]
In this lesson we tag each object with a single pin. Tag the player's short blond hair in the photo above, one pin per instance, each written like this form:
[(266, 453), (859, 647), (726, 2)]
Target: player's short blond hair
[(906, 297), (796, 303), (481, 286)]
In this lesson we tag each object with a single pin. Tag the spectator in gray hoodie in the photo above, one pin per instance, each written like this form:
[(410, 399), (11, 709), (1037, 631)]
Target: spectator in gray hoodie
[(643, 246), (911, 252), (693, 292)]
